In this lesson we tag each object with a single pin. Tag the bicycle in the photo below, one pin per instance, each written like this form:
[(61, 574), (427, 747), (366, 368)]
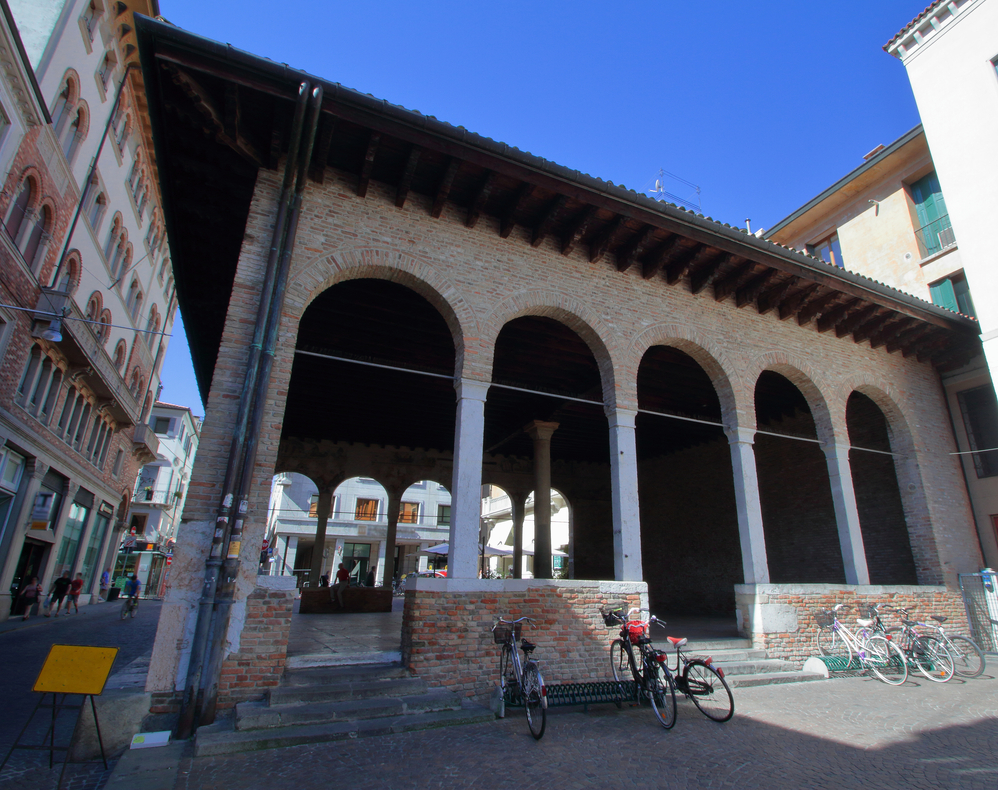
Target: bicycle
[(968, 658), (873, 651), (703, 683), (521, 680), (130, 606), (657, 687), (928, 653)]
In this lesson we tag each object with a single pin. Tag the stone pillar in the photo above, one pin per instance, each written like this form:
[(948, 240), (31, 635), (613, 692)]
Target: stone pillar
[(466, 484), (517, 504), (290, 555), (846, 514), (541, 433), (624, 497), (385, 562), (388, 547), (322, 508), (69, 493), (17, 523), (746, 479)]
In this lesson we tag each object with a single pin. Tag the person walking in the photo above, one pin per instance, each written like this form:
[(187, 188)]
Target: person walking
[(31, 597), (342, 582), (75, 587), (105, 583), (60, 588)]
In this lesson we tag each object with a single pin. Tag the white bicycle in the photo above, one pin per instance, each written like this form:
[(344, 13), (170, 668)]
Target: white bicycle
[(873, 651)]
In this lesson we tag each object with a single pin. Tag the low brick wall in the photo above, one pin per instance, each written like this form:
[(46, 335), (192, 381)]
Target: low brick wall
[(321, 600), (780, 618), (446, 628), (263, 645)]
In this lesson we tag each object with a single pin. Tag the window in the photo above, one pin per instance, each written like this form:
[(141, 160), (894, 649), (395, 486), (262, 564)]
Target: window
[(161, 425), (62, 109), (75, 524), (953, 293), (119, 355), (12, 468), (97, 208), (74, 135), (112, 237), (4, 123), (104, 328), (409, 513), (133, 301), (366, 510), (19, 209), (828, 250), (116, 470), (313, 506), (935, 232), (443, 515), (38, 236), (90, 18), (106, 68), (980, 418)]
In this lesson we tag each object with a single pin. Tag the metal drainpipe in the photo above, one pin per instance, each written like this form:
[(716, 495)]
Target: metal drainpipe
[(230, 569), (187, 722)]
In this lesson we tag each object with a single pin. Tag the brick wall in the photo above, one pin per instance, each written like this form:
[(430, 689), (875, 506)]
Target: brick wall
[(263, 648), (781, 618), (447, 639)]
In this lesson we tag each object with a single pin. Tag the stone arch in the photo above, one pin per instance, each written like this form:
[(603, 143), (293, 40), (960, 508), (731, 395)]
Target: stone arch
[(701, 349), (568, 311), (321, 273), (807, 379)]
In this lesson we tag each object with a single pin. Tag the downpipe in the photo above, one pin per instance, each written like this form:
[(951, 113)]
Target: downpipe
[(190, 703)]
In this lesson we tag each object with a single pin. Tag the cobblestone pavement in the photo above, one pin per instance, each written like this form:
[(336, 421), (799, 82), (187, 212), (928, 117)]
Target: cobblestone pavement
[(23, 648), (846, 733)]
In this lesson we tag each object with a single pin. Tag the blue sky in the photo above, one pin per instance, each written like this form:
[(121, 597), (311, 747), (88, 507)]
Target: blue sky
[(761, 105)]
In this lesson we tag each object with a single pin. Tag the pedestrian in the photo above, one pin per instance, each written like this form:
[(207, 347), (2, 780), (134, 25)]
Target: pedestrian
[(105, 584), (30, 597), (342, 582), (58, 592), (75, 587), (369, 581)]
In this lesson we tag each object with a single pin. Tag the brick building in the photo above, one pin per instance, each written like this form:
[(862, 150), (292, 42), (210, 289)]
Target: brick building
[(739, 429), (86, 296)]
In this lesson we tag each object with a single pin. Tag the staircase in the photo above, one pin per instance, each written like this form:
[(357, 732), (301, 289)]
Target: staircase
[(335, 703), (744, 665)]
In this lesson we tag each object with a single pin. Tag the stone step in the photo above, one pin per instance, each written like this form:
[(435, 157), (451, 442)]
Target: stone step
[(340, 674), (346, 689), (218, 740), (259, 715), (756, 667), (771, 678), (727, 656)]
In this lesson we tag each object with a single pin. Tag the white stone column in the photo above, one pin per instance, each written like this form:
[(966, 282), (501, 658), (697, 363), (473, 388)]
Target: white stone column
[(624, 497), (846, 514), (322, 509), (386, 564), (541, 433), (746, 480), (290, 555), (466, 485)]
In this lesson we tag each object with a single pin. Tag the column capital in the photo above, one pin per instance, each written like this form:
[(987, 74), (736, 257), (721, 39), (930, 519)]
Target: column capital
[(835, 450), (38, 470), (740, 435), (538, 430), (471, 389), (621, 418)]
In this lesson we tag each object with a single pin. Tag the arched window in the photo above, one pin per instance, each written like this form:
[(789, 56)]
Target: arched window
[(134, 385), (97, 208), (69, 276), (119, 355), (104, 328), (63, 108), (34, 245), (137, 306), (90, 18), (124, 130), (94, 307), (135, 174), (119, 255), (74, 135), (127, 260), (112, 236), (20, 207), (152, 325), (106, 69)]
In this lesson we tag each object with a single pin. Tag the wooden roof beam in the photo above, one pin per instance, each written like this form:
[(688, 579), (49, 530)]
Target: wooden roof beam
[(702, 276), (543, 226), (405, 181), (373, 141), (508, 219), (772, 296), (675, 269), (848, 325), (793, 303), (599, 245), (872, 326), (726, 285), (443, 189), (581, 224), (653, 264), (832, 317), (753, 287), (633, 247), (480, 199), (903, 338), (327, 125), (890, 331), (816, 306)]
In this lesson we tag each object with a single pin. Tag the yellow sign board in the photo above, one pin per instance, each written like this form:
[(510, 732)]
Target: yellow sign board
[(76, 669)]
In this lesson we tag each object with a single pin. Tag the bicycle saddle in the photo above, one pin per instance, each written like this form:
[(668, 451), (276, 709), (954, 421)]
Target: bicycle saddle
[(527, 647), (676, 641), (864, 623), (939, 618), (909, 622)]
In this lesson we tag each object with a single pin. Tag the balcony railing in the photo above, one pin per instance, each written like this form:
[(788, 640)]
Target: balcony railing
[(935, 237)]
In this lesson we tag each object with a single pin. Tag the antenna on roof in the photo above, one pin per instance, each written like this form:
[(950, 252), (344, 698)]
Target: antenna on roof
[(666, 179)]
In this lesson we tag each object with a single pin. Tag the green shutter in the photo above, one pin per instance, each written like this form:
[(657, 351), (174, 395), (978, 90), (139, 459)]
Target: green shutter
[(943, 295), (929, 201)]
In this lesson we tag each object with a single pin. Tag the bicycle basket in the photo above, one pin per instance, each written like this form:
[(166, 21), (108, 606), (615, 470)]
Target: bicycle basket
[(636, 630), (824, 618), (502, 631), (612, 617)]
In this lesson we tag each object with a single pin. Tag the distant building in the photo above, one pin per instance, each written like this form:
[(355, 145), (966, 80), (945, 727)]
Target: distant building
[(86, 286), (158, 498)]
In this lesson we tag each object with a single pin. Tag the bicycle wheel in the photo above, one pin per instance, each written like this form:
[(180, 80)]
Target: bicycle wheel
[(968, 658), (661, 691), (124, 609), (134, 608), (708, 690), (830, 643), (622, 662), (507, 675), (533, 702), (885, 660), (932, 658)]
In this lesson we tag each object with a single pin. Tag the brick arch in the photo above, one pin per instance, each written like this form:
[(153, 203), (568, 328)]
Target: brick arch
[(321, 273), (888, 400), (84, 109), (574, 314), (72, 78), (807, 379), (707, 354)]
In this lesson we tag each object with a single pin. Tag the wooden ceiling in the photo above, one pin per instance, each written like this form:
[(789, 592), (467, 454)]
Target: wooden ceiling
[(220, 115)]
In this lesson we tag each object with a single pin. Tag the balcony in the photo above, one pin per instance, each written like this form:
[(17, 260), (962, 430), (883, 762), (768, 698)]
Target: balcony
[(145, 445), (935, 237)]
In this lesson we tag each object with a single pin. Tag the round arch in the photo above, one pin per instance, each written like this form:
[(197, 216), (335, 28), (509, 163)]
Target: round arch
[(805, 378)]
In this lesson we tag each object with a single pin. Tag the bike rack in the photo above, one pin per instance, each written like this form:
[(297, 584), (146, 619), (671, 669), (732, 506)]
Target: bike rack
[(584, 694)]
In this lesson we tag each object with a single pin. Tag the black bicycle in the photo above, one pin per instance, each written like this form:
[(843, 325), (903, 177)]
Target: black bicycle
[(521, 681), (649, 670)]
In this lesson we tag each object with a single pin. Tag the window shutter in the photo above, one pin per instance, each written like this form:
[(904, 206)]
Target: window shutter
[(943, 295)]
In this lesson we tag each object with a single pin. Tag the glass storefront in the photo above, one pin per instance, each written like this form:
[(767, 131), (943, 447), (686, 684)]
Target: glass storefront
[(89, 566), (75, 524)]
